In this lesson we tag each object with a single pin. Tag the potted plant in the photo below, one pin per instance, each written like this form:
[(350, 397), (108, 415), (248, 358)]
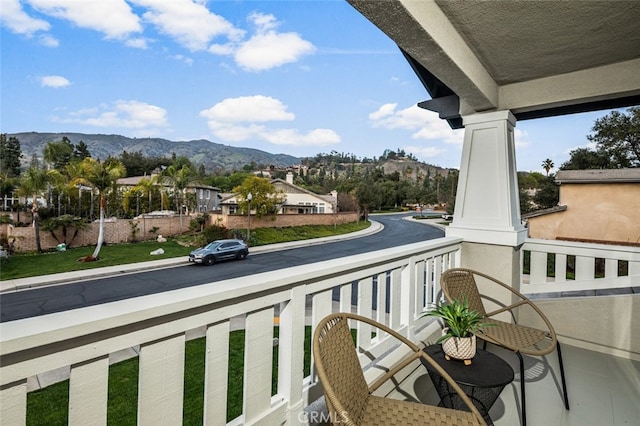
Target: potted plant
[(458, 338)]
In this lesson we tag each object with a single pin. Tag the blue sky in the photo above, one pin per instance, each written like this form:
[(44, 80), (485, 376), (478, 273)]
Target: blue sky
[(295, 77)]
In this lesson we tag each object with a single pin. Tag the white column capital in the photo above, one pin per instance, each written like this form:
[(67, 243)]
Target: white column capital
[(487, 202), (487, 117)]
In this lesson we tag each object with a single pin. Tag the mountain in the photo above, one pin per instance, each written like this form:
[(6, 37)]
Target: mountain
[(214, 156)]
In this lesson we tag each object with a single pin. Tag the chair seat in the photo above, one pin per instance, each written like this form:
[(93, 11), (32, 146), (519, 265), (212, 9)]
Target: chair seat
[(385, 411), (518, 337)]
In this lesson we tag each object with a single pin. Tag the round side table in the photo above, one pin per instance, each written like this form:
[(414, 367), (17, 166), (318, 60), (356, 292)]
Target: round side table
[(482, 381)]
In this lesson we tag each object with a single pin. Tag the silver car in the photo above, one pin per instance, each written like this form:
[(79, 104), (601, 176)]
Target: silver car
[(219, 250)]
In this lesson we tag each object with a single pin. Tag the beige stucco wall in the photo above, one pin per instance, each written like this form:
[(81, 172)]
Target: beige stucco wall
[(595, 212), (602, 323)]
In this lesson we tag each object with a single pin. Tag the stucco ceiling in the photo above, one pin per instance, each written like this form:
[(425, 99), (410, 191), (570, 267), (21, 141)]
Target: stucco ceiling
[(535, 58)]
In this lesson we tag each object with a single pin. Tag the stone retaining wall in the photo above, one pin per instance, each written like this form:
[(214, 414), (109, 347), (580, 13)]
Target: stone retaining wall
[(283, 220)]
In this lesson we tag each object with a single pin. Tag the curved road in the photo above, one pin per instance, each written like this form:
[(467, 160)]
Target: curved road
[(46, 300)]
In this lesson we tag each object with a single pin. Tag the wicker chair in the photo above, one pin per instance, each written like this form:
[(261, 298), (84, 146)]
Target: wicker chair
[(460, 283), (348, 396)]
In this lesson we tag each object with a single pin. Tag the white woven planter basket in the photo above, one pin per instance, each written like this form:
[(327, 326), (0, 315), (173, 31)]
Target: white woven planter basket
[(460, 347)]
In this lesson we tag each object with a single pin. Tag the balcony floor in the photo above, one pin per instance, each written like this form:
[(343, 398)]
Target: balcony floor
[(603, 390)]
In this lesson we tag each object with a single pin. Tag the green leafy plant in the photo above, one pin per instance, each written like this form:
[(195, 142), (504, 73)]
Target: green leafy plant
[(459, 319)]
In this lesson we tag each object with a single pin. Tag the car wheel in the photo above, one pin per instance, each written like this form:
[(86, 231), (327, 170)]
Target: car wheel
[(209, 260), (242, 255)]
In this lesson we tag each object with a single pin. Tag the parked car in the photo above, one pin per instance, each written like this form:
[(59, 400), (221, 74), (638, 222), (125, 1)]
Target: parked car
[(219, 250), (447, 216)]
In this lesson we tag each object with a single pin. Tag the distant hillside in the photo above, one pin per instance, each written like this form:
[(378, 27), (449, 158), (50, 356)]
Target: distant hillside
[(412, 169), (214, 156)]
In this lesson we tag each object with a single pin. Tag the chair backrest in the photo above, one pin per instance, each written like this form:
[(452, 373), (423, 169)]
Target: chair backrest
[(339, 370), (460, 284)]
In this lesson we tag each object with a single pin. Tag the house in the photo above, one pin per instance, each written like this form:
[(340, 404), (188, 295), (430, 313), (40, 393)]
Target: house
[(486, 65), (298, 200), (199, 197), (598, 206)]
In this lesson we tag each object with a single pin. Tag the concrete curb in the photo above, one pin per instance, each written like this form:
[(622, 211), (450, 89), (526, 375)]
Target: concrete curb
[(69, 277)]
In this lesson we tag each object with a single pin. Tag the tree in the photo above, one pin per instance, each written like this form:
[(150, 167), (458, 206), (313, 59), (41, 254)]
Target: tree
[(548, 193), (618, 135), (65, 223), (58, 154), (179, 178), (146, 187), (33, 183), (585, 158), (100, 176), (10, 155), (265, 199), (547, 165), (81, 151), (139, 165)]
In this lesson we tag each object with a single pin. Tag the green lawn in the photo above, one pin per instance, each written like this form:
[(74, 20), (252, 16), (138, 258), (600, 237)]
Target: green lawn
[(50, 406), (33, 264)]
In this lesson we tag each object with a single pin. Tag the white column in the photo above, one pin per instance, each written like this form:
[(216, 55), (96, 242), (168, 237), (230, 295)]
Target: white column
[(487, 207)]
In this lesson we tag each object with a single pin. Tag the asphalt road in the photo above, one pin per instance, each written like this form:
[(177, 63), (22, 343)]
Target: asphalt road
[(46, 300)]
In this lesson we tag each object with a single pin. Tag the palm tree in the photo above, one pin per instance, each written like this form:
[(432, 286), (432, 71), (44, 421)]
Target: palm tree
[(547, 165), (33, 183), (179, 179), (146, 186), (100, 176)]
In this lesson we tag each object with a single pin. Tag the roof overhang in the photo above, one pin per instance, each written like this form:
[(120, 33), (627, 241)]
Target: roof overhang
[(536, 59)]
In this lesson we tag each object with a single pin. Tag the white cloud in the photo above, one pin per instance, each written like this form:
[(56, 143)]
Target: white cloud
[(147, 119), (183, 59), (113, 18), (422, 123), (246, 118), (49, 40), (385, 110), (54, 81), (292, 137), (424, 151), (248, 108), (521, 138), (138, 43), (188, 22), (191, 24), (13, 17), (268, 48)]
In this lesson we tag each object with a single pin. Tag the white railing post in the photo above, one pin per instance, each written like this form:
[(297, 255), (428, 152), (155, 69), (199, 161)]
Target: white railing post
[(365, 299), (161, 381), (216, 374), (561, 268), (538, 267), (88, 392), (420, 287), (291, 352), (258, 364), (395, 299), (408, 285), (634, 270), (585, 268), (611, 268), (13, 403)]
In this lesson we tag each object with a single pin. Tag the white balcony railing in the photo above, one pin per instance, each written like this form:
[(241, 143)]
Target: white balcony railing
[(567, 267), (84, 339)]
